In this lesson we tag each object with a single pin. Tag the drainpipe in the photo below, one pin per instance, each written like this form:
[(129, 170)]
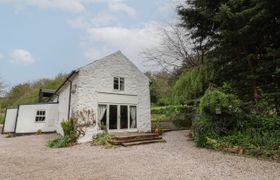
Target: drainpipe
[(70, 96), (15, 129), (4, 121)]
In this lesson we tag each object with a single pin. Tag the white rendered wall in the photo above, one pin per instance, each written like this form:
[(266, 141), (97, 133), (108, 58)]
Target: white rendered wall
[(63, 100), (63, 105), (10, 120), (26, 118), (95, 85)]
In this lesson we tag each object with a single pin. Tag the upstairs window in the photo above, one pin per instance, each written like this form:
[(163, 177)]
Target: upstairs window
[(40, 116), (119, 83)]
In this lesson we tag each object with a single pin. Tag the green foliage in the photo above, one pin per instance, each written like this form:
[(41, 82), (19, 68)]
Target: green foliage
[(102, 139), (171, 109), (70, 135), (160, 87), (252, 134), (243, 41), (1, 118), (180, 115), (191, 84), (68, 127), (215, 100), (166, 113), (221, 110), (201, 129), (28, 92), (59, 142)]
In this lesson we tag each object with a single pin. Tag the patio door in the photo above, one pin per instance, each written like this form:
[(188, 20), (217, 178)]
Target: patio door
[(117, 116)]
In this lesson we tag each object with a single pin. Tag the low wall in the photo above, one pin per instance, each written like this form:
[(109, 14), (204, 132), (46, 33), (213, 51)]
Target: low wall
[(26, 118), (10, 120)]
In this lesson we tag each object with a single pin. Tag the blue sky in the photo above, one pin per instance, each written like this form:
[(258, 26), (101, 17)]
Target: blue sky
[(41, 38)]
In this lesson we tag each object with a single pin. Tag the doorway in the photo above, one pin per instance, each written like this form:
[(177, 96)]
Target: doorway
[(118, 116)]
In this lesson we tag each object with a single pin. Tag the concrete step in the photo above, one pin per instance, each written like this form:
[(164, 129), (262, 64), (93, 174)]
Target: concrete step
[(143, 142), (120, 141)]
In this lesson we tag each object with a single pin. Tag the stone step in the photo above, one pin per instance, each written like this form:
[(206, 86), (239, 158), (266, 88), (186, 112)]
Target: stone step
[(120, 141), (143, 142)]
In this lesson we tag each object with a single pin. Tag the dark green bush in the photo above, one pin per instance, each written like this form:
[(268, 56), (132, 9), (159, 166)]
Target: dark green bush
[(201, 129), (214, 100), (233, 130), (222, 110)]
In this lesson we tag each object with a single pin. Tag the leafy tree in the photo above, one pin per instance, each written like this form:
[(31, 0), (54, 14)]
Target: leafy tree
[(160, 87), (28, 92), (192, 84), (242, 38)]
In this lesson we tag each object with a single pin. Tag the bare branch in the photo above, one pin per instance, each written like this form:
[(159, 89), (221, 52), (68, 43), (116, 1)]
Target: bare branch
[(175, 51)]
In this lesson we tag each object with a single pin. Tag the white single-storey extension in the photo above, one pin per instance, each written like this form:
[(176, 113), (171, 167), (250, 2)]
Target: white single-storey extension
[(110, 92)]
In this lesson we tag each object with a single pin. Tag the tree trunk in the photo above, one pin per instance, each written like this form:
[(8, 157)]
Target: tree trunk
[(255, 94)]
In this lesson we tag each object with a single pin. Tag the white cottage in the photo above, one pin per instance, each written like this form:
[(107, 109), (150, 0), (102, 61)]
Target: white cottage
[(112, 87)]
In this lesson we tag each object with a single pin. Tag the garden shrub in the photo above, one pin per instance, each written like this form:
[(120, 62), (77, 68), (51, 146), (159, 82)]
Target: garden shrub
[(214, 98), (70, 135), (201, 129), (221, 109), (60, 142), (233, 130), (68, 127), (102, 139)]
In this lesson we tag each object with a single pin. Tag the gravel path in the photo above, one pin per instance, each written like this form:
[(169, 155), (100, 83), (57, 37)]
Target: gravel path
[(28, 157)]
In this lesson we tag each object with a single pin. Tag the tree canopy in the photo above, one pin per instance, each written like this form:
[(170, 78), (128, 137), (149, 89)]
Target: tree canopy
[(242, 39)]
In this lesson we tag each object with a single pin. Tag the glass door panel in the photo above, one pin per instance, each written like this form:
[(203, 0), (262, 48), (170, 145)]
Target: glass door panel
[(124, 117), (113, 117)]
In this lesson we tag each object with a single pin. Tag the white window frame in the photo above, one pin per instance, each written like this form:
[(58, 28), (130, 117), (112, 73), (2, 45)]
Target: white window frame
[(40, 115), (118, 116), (119, 83)]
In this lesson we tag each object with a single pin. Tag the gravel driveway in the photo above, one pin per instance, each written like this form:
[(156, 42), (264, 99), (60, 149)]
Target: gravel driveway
[(28, 157)]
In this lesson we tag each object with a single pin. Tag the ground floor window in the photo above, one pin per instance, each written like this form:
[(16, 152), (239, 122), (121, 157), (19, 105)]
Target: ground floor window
[(40, 115), (117, 116)]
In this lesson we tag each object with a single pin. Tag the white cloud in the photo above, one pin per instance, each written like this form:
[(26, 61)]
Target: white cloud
[(100, 19), (120, 6), (131, 41), (66, 5), (75, 6), (21, 56)]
